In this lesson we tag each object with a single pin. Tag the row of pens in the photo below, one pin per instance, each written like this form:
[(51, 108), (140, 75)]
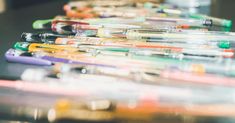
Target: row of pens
[(123, 61)]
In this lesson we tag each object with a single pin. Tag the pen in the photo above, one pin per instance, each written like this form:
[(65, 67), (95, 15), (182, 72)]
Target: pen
[(78, 28), (216, 21), (205, 78), (38, 58), (158, 50), (143, 44), (75, 40), (40, 37), (159, 62), (104, 12), (17, 56), (175, 53), (151, 75), (50, 55), (210, 35), (179, 21), (123, 33), (68, 27)]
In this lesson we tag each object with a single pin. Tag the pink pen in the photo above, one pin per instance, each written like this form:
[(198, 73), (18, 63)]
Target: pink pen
[(198, 78), (41, 88)]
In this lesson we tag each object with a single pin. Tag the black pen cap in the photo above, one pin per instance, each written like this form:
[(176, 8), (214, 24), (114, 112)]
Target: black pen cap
[(30, 37), (208, 22)]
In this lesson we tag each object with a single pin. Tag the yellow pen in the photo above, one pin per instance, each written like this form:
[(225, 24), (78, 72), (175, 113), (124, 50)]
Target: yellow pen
[(36, 47)]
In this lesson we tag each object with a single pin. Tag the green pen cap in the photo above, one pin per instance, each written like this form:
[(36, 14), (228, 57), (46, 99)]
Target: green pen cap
[(39, 24), (224, 44), (117, 49), (22, 46), (227, 23)]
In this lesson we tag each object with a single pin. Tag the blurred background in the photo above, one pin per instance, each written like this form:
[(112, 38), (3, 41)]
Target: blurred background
[(6, 5), (217, 8)]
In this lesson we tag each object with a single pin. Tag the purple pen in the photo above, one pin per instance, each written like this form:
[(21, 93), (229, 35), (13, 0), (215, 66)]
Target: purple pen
[(62, 60), (12, 56)]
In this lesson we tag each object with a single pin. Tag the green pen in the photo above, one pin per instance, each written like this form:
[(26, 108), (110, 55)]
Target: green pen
[(22, 46), (42, 24), (216, 21)]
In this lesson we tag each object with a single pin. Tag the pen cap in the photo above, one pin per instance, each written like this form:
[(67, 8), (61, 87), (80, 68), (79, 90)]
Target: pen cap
[(225, 44), (30, 37), (216, 21), (40, 37), (227, 23), (42, 24), (22, 46), (208, 22)]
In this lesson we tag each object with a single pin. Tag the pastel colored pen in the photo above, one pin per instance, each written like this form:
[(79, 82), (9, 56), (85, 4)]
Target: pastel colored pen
[(225, 68), (46, 23), (154, 59), (14, 56), (179, 21), (40, 37), (37, 58), (210, 35), (123, 33), (204, 78), (142, 44), (216, 21), (147, 75), (72, 40), (174, 42), (59, 55), (163, 50), (78, 28), (41, 88), (167, 51), (92, 51)]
